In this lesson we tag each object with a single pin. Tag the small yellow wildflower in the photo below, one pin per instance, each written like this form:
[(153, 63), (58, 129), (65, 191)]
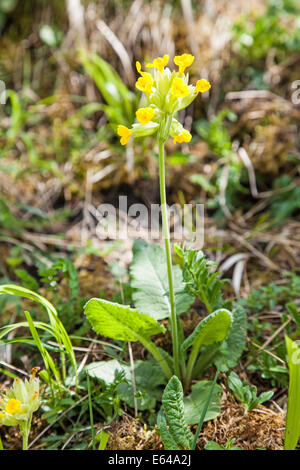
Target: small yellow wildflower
[(185, 136), (202, 86), (12, 406), (179, 89), (183, 61), (144, 115), (145, 82), (2, 415), (159, 63), (124, 133)]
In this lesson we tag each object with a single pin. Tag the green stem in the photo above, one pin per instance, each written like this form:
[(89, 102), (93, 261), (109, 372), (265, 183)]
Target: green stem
[(91, 410), (24, 431), (166, 232), (204, 298), (190, 366), (204, 361), (150, 346), (25, 441)]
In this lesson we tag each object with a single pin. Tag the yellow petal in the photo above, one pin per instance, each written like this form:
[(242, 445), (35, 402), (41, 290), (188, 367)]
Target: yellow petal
[(185, 136), (12, 406), (124, 133), (183, 61), (159, 63), (145, 83), (202, 86), (144, 115), (179, 89), (138, 66)]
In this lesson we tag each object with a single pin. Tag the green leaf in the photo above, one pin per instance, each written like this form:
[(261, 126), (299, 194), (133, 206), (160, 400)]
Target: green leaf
[(149, 280), (195, 402), (211, 445), (166, 437), (105, 371), (120, 321), (265, 396), (212, 329), (148, 381), (235, 343), (103, 438), (292, 430), (178, 431)]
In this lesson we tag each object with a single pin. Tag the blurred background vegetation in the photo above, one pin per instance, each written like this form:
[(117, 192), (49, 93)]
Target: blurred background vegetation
[(69, 71)]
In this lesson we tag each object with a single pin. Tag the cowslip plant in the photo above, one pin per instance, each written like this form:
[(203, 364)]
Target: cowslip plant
[(166, 93), (160, 289), (19, 403)]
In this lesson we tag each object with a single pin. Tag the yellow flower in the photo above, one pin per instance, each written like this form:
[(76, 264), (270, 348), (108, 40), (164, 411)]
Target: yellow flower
[(12, 406), (2, 415), (124, 133), (183, 61), (159, 63), (145, 82), (144, 115), (202, 86), (179, 89), (185, 136)]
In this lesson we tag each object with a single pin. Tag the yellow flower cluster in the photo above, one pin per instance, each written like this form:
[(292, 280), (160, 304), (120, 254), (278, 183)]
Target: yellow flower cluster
[(166, 93)]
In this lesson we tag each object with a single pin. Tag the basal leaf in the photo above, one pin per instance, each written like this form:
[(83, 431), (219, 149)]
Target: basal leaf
[(149, 280), (195, 402), (174, 413), (235, 343), (212, 329), (148, 381), (120, 321), (105, 371), (166, 437)]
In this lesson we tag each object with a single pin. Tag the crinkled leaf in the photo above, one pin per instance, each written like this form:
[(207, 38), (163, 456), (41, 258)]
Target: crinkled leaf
[(195, 402), (235, 343), (149, 280), (120, 321), (166, 437), (212, 329), (174, 414)]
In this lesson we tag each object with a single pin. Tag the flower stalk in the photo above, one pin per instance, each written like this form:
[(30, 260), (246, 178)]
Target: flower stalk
[(166, 232)]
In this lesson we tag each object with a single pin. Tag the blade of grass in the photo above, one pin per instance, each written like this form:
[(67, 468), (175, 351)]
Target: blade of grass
[(91, 410), (204, 411), (104, 436)]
